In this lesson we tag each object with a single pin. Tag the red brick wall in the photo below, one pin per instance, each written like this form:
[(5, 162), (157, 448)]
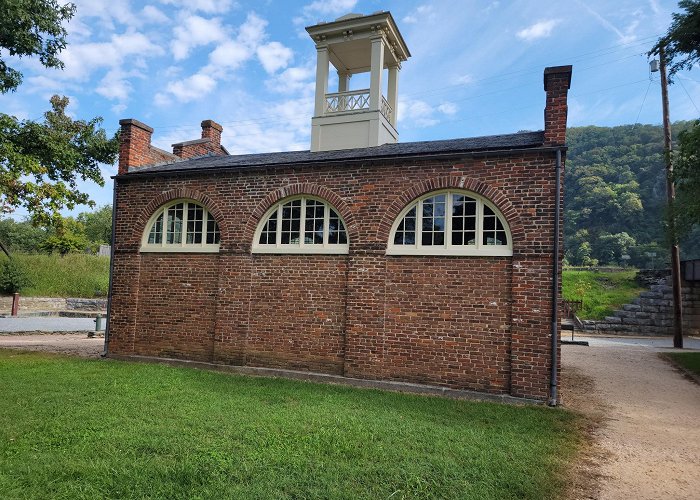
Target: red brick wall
[(426, 319)]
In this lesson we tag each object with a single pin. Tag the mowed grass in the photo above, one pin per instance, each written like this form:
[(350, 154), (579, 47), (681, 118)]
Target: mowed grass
[(76, 428), (601, 292), (74, 275), (688, 360)]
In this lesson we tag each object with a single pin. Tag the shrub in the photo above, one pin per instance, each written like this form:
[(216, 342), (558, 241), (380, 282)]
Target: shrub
[(13, 276)]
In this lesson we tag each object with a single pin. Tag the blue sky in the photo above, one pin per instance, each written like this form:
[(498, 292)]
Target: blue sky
[(476, 67)]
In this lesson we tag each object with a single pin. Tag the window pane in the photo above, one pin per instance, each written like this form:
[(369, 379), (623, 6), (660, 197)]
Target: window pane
[(195, 224), (291, 222), (434, 220), (173, 233), (155, 236), (313, 225), (268, 236), (406, 231), (213, 235)]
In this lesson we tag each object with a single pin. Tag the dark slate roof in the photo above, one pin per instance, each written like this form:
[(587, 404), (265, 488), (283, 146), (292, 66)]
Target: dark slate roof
[(404, 149)]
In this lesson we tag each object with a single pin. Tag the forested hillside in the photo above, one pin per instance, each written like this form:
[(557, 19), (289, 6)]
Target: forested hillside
[(615, 197)]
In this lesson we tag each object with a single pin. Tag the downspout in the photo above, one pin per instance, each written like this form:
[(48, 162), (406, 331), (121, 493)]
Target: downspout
[(555, 287), (111, 269)]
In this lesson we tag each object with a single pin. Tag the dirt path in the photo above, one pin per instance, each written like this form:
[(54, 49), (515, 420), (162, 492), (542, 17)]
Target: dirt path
[(76, 344), (648, 443)]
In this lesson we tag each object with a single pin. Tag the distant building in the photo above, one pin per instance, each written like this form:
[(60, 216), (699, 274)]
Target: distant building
[(427, 262)]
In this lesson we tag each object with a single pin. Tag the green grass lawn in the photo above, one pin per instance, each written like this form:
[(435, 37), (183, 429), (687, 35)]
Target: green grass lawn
[(688, 360), (74, 275), (76, 428), (601, 292)]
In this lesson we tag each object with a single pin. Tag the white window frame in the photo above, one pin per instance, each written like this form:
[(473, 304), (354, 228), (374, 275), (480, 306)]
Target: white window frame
[(479, 249), (301, 247), (181, 247)]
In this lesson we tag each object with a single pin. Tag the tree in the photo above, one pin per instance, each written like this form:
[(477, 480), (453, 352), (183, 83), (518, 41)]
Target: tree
[(31, 28), (686, 173), (41, 162), (98, 224), (69, 237), (681, 44)]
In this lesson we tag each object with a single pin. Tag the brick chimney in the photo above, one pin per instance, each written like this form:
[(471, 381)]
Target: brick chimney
[(134, 144), (212, 130), (557, 81), (209, 144), (135, 148)]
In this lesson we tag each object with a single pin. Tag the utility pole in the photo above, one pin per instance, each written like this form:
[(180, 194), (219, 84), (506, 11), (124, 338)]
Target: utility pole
[(671, 196)]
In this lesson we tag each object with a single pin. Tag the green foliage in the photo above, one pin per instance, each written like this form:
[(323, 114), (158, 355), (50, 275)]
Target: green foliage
[(681, 43), (688, 360), (22, 236), (686, 172), (31, 28), (13, 276), (73, 275), (601, 292), (98, 224), (41, 162), (150, 431), (615, 196)]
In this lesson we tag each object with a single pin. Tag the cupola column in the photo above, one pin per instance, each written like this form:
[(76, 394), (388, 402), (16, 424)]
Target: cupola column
[(321, 80), (375, 79), (343, 81), (393, 92)]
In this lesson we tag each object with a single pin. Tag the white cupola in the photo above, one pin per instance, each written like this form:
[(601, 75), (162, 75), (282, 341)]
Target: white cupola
[(360, 118)]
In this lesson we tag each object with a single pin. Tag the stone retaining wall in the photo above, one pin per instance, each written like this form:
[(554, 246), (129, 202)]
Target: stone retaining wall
[(652, 313), (51, 304)]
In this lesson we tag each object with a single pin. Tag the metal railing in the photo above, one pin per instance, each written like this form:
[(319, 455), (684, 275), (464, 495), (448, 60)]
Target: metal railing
[(386, 109)]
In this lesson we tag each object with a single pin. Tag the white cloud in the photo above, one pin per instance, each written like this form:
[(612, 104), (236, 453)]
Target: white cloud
[(463, 79), (196, 31), (274, 56), (114, 86), (192, 88), (294, 79), (330, 7), (624, 37), (541, 29), (252, 31), (311, 12), (448, 108), (416, 113), (421, 14), (229, 55), (81, 60), (154, 15), (206, 6)]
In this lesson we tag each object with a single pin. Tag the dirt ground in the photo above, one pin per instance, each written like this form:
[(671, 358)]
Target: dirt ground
[(643, 415), (73, 343)]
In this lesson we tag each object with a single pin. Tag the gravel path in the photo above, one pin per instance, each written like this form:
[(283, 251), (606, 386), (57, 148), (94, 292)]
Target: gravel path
[(648, 443)]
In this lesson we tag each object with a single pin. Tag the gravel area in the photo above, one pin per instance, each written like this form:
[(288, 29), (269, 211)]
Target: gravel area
[(644, 416)]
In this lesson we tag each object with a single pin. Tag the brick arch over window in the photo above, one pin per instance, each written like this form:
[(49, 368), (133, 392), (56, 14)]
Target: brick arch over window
[(297, 190), (453, 182), (183, 193)]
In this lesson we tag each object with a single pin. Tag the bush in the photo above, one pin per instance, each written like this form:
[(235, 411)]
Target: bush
[(13, 276)]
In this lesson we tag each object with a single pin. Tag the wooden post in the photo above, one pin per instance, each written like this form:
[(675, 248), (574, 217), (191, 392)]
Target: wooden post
[(15, 304), (671, 196)]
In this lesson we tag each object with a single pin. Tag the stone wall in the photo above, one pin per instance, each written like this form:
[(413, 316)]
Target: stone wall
[(652, 313), (51, 304)]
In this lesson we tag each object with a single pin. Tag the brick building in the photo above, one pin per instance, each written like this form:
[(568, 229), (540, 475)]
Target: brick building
[(426, 262)]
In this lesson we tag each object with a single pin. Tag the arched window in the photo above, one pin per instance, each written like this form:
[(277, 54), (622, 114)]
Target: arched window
[(450, 223), (181, 226), (301, 225)]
